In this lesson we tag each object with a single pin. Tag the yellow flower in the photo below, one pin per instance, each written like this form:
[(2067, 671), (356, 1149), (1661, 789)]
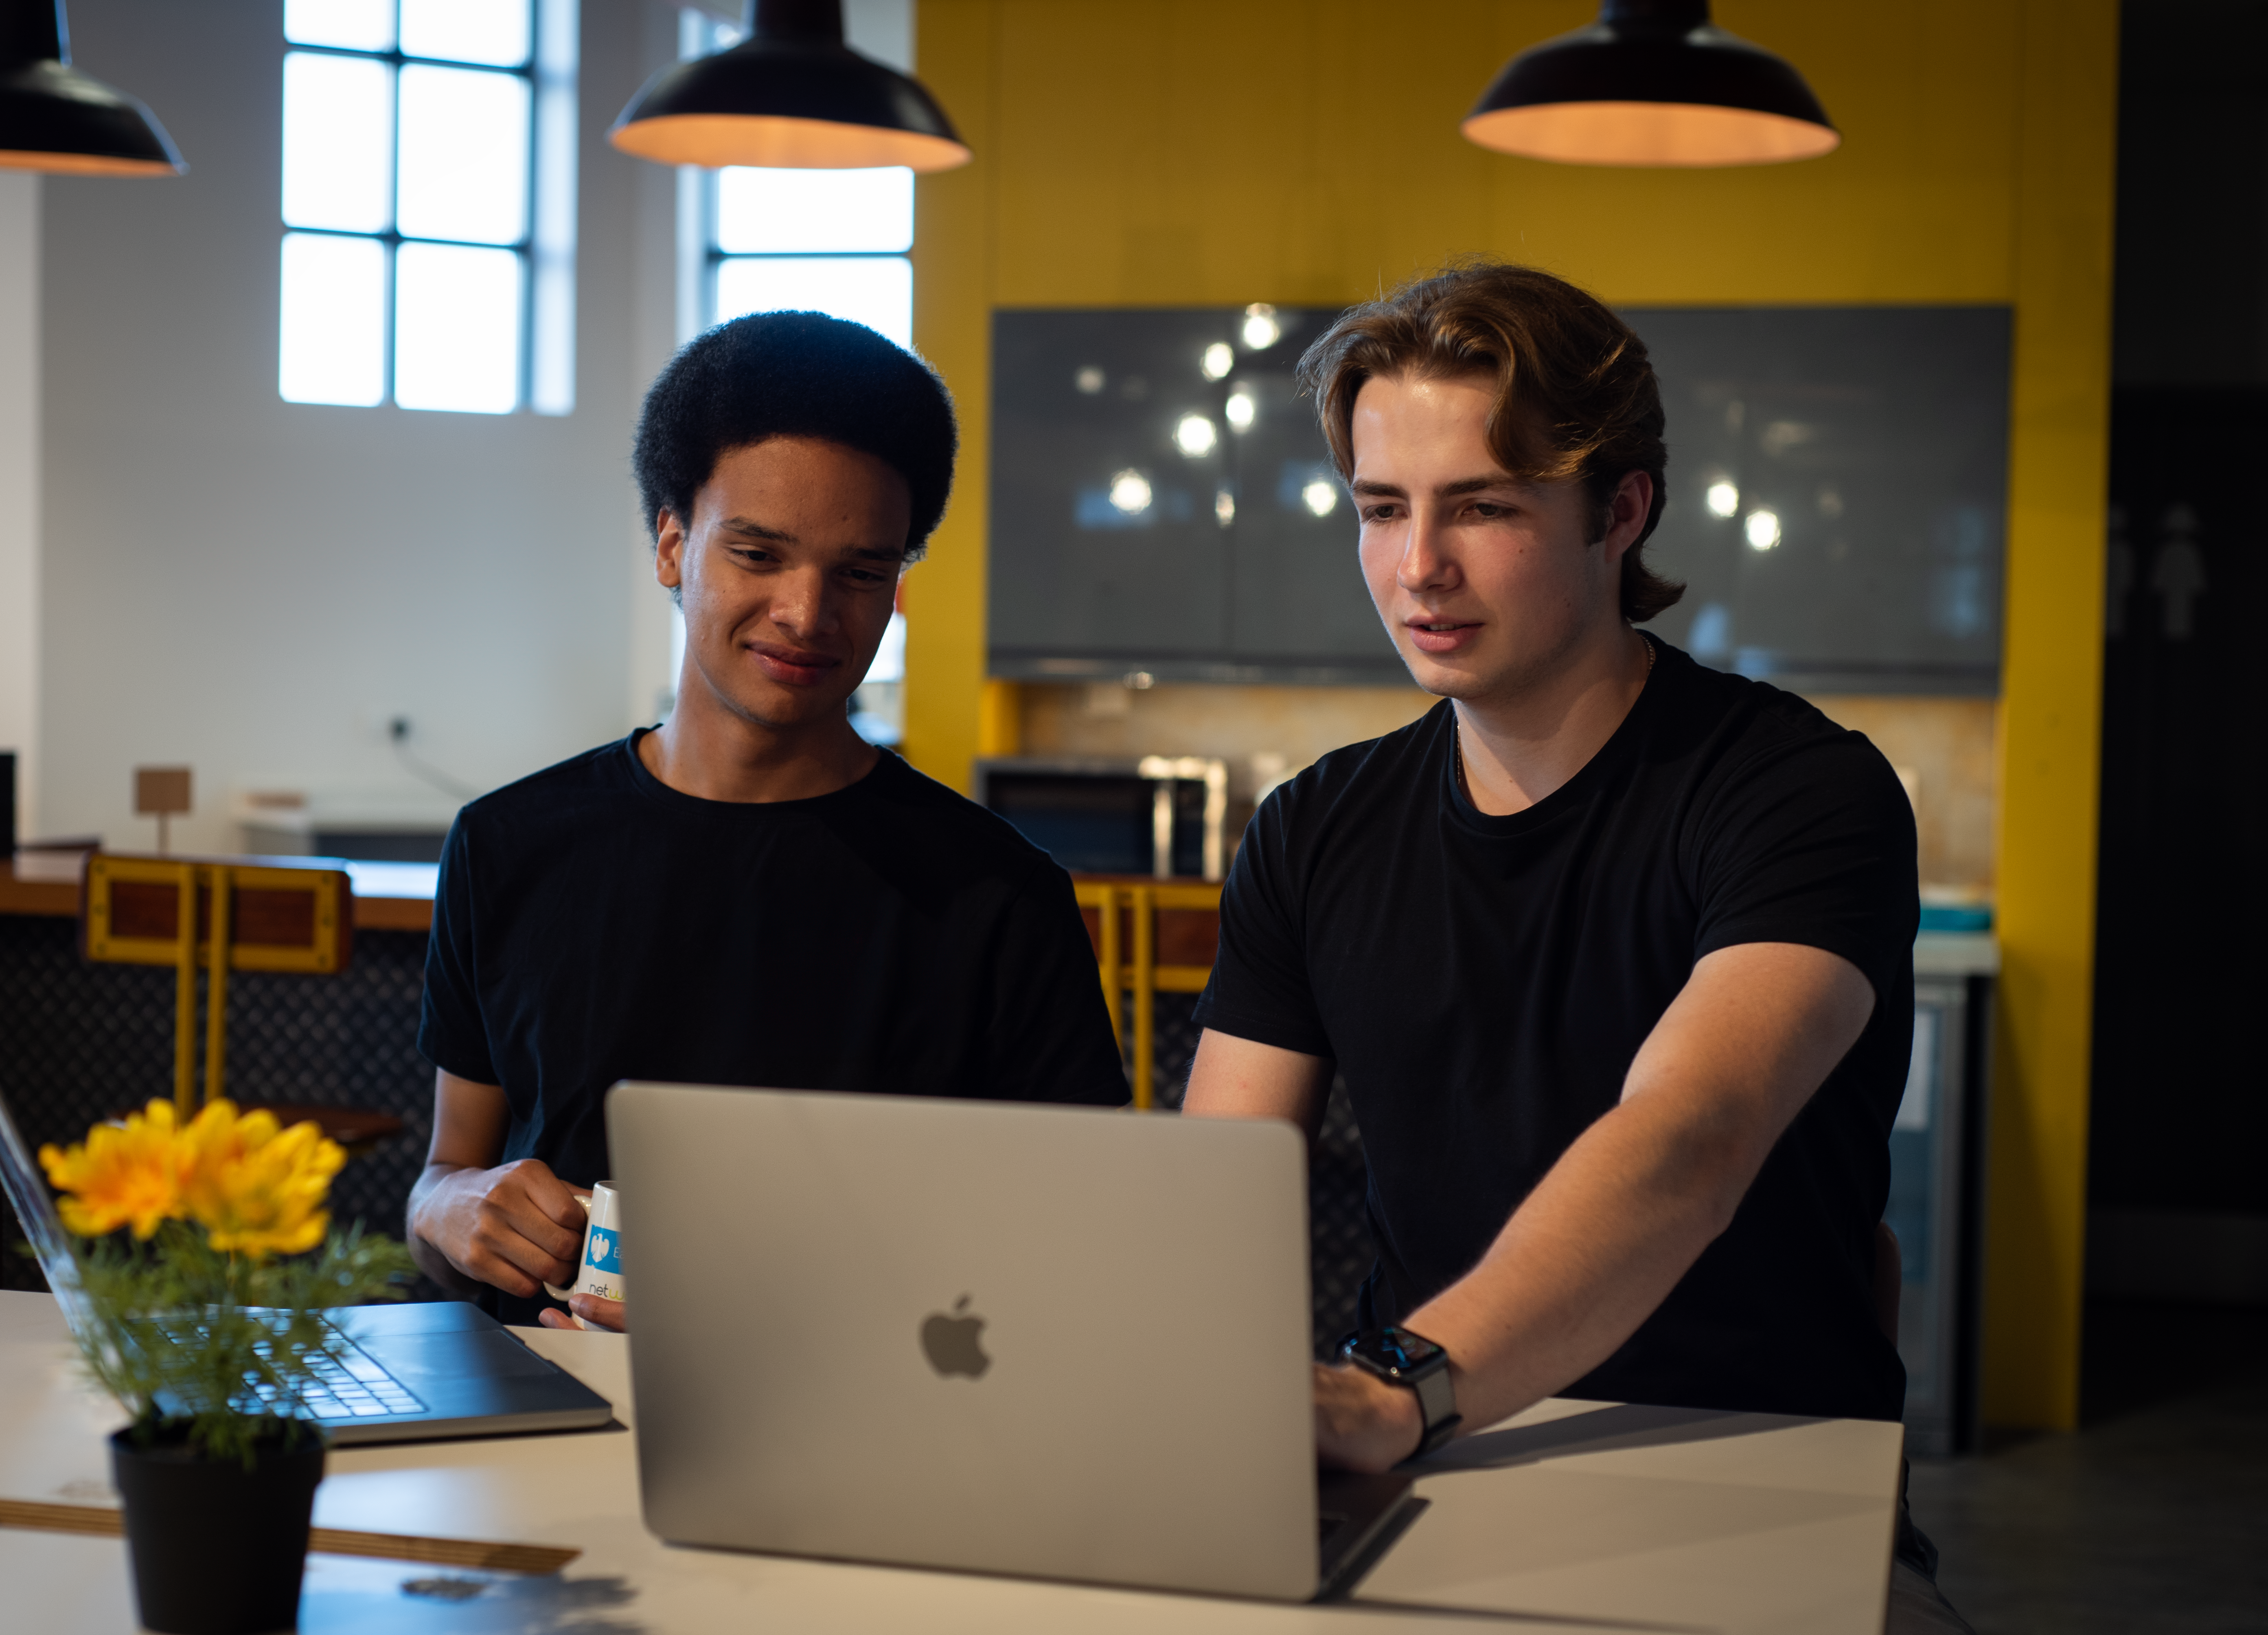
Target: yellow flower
[(258, 1189), (125, 1174)]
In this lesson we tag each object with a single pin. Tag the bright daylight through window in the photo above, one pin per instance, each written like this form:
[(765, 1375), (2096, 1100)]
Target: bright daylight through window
[(816, 240), (429, 204)]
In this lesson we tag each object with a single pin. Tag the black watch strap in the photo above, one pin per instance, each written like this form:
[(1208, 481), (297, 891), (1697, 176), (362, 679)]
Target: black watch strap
[(1437, 1401)]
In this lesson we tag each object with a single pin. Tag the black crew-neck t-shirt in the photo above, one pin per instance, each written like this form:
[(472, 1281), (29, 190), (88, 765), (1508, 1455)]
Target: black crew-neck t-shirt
[(1482, 983), (593, 925)]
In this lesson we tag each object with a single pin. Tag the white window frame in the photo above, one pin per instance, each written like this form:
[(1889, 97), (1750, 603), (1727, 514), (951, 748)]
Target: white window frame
[(546, 249)]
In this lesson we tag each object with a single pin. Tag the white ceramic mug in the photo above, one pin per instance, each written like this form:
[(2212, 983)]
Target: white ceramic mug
[(602, 1246), (602, 1269)]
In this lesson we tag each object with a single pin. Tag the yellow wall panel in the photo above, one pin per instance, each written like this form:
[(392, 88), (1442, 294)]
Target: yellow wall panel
[(1221, 151)]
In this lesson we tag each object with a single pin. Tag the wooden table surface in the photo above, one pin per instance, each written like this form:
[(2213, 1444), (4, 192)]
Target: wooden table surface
[(59, 899), (1570, 1517)]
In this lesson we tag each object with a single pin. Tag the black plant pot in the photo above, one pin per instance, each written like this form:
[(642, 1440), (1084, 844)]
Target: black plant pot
[(218, 1550)]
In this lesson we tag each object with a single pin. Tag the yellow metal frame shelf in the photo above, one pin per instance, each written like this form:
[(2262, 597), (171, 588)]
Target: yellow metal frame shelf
[(324, 951), (1141, 974)]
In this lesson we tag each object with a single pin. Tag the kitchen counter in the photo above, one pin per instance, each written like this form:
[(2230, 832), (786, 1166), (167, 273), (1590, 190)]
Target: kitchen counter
[(388, 896)]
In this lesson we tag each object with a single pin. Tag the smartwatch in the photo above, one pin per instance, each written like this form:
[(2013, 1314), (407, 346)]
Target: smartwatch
[(1400, 1357)]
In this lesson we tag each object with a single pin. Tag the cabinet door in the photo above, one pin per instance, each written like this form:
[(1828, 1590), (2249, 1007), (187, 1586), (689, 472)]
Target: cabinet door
[(1296, 591), (1162, 499), (1108, 540), (1837, 491)]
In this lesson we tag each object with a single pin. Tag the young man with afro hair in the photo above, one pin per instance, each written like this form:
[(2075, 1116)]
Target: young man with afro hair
[(750, 893)]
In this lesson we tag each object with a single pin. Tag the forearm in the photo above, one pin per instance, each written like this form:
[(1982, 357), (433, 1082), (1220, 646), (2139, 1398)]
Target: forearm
[(1588, 1256), (424, 1206)]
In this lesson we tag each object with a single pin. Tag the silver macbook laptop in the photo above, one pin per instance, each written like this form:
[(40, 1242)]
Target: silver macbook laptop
[(1061, 1342), (407, 1373)]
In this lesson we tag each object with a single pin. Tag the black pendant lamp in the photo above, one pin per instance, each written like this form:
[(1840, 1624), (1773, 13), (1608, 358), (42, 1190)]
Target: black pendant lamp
[(792, 95), (1653, 82), (54, 118)]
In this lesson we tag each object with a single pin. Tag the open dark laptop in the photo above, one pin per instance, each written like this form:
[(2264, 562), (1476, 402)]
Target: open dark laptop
[(407, 1373), (1062, 1342)]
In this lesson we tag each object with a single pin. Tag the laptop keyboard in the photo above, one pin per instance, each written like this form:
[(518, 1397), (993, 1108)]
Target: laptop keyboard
[(349, 1385)]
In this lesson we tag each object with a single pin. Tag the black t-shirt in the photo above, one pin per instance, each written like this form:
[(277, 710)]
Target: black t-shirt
[(1483, 983), (593, 925)]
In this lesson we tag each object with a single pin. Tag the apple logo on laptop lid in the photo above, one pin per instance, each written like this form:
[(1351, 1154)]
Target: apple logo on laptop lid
[(951, 1341)]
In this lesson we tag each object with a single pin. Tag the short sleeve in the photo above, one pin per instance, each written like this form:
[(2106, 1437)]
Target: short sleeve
[(1812, 843), (1260, 988), (451, 1033), (1051, 1039)]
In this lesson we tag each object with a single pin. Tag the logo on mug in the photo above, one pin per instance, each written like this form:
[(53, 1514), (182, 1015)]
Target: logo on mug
[(603, 1251)]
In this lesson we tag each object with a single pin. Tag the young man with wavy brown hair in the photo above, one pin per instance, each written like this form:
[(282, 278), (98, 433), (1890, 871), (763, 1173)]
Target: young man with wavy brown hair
[(1612, 951)]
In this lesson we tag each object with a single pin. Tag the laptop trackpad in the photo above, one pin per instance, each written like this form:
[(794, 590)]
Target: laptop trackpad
[(489, 1353)]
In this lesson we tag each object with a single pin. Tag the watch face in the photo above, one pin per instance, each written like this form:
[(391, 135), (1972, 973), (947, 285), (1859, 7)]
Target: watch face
[(1397, 1349)]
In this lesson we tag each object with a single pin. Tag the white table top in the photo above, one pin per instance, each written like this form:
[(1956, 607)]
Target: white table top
[(1570, 1517)]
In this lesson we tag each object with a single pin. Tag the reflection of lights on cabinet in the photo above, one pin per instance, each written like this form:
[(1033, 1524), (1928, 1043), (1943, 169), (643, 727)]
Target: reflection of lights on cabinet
[(1763, 529)]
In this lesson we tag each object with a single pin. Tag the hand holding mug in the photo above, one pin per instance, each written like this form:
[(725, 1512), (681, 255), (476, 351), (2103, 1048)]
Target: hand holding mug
[(597, 1299)]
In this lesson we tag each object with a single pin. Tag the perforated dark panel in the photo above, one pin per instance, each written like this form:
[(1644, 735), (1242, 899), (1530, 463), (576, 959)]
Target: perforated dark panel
[(1342, 1249), (80, 1041)]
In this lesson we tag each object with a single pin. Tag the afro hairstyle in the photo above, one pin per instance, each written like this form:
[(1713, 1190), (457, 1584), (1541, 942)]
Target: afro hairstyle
[(795, 374)]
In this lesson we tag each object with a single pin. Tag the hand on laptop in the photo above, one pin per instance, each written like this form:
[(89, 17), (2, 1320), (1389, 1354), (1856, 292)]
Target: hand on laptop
[(1361, 1422), (516, 1226), (596, 1313)]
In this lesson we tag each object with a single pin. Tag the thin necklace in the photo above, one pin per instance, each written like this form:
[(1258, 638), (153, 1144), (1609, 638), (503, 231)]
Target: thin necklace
[(1457, 736)]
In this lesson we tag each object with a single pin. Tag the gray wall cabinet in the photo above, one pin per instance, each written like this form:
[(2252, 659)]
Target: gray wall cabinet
[(1162, 500)]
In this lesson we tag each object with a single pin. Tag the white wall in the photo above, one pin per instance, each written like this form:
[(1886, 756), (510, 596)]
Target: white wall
[(19, 487), (252, 587)]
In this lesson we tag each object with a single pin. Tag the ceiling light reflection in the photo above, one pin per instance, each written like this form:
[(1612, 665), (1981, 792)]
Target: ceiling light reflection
[(1088, 381), (1224, 507), (1195, 436), (1130, 491), (1321, 497), (1763, 529), (1218, 360), (1261, 329), (1241, 411), (1723, 499)]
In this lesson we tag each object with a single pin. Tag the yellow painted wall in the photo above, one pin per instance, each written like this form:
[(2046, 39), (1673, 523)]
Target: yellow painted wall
[(1157, 152)]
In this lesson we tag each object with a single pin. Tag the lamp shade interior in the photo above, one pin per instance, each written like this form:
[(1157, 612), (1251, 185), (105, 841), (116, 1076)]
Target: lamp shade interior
[(782, 141), (83, 164), (1669, 134)]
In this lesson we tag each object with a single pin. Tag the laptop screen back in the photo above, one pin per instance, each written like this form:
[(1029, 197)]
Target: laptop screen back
[(1069, 1343)]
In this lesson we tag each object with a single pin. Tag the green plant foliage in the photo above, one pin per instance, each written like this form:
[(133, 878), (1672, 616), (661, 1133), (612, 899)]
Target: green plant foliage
[(223, 1349)]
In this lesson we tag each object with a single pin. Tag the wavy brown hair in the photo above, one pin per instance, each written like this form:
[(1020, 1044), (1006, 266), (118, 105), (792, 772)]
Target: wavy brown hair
[(1575, 396)]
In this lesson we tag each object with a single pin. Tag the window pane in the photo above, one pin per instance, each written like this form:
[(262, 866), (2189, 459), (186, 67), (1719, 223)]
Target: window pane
[(761, 210), (876, 291), (464, 155), (456, 328), (350, 24), (467, 31), (338, 143), (332, 348)]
